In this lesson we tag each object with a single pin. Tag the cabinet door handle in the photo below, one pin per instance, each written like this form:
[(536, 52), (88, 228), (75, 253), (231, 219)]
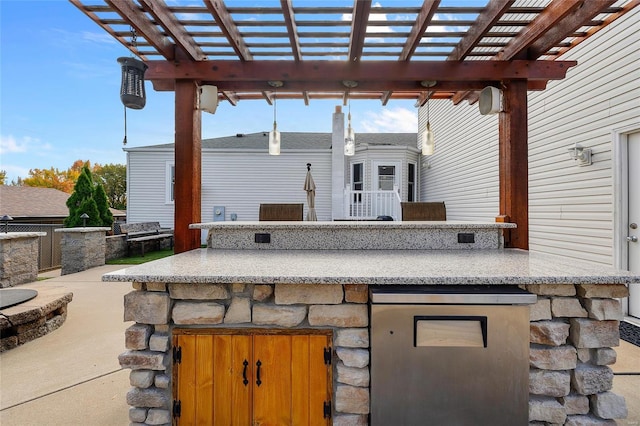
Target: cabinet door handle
[(244, 372), (258, 381)]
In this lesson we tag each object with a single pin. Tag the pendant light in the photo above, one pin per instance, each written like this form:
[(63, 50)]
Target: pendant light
[(274, 135), (132, 94), (350, 139), (428, 142)]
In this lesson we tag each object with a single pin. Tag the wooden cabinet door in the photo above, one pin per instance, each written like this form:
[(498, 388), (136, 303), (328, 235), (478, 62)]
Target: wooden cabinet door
[(210, 380), (294, 380), (256, 380)]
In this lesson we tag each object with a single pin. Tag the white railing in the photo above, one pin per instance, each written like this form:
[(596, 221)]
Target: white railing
[(368, 205)]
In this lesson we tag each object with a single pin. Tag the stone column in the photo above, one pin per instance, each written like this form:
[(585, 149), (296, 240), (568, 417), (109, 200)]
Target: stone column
[(82, 248), (19, 257)]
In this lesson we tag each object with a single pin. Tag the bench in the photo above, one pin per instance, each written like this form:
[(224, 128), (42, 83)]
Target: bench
[(144, 233)]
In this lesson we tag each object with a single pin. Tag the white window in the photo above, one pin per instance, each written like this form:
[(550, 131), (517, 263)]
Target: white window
[(170, 180), (411, 182), (357, 180)]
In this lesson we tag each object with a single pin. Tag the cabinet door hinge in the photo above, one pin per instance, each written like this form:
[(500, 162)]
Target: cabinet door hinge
[(327, 355), (177, 408), (177, 354), (327, 409)]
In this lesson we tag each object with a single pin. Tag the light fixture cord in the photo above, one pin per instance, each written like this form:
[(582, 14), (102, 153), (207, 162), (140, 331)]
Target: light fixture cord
[(275, 106), (428, 96), (124, 142)]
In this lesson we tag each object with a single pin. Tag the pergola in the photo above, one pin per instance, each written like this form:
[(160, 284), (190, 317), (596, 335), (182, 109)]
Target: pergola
[(358, 51)]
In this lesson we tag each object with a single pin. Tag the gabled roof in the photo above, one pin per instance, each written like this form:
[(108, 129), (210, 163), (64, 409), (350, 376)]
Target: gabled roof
[(28, 201), (293, 140)]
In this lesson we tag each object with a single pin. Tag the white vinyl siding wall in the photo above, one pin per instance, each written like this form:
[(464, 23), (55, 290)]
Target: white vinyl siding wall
[(383, 155), (241, 181), (238, 181), (463, 172), (570, 207), (146, 193)]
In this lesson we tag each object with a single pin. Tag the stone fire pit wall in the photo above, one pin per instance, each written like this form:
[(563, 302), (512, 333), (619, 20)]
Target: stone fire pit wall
[(573, 330)]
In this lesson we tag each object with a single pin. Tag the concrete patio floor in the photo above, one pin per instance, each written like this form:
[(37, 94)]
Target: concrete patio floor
[(72, 376)]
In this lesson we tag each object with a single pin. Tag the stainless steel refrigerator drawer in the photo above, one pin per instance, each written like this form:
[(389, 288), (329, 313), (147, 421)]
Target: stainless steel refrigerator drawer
[(449, 364)]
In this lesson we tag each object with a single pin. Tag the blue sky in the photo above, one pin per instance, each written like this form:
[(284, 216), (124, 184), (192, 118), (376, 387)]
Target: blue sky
[(60, 97)]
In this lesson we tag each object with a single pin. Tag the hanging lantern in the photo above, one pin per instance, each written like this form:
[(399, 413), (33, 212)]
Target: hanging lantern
[(132, 92)]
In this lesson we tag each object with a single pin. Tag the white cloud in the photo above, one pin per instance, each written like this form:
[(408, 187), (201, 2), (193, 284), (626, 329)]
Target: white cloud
[(8, 144), (98, 37), (389, 120), (11, 145)]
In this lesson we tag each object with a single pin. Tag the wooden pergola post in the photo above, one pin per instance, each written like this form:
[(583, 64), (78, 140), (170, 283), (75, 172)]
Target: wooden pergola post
[(187, 203), (514, 164)]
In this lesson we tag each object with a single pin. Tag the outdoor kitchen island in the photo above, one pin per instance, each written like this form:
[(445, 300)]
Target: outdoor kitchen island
[(283, 336)]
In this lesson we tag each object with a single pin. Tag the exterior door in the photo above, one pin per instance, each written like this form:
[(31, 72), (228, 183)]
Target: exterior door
[(633, 230), (386, 177), (243, 379)]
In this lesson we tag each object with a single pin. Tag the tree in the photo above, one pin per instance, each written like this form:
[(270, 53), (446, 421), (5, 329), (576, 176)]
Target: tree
[(84, 200), (3, 177), (103, 205), (114, 179), (112, 176), (52, 178)]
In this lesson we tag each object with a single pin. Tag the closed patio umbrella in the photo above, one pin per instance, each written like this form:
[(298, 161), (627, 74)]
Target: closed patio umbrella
[(310, 187)]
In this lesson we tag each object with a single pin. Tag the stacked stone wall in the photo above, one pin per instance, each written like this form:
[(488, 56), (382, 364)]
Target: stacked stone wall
[(156, 308), (572, 332), (82, 248), (18, 259), (115, 247)]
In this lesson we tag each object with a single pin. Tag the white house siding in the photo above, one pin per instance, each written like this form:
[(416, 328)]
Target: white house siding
[(463, 172), (570, 207), (241, 181), (383, 154), (146, 200)]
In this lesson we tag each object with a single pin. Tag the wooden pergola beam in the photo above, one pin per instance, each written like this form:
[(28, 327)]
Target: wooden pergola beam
[(169, 22), (188, 154), (378, 71), (225, 22), (513, 164), (585, 13), (361, 10), (292, 29), (422, 22), (131, 13), (485, 20), (556, 11)]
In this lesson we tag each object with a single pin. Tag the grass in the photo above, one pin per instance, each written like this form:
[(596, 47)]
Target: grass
[(137, 260)]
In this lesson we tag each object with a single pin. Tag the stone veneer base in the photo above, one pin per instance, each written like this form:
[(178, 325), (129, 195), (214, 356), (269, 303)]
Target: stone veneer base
[(572, 331)]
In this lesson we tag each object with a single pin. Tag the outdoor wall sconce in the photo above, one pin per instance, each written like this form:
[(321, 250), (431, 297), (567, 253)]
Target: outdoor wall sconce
[(582, 156), (5, 219), (84, 218), (274, 135)]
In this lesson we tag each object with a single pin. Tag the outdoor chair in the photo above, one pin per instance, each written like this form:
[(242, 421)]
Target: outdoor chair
[(281, 212), (423, 211)]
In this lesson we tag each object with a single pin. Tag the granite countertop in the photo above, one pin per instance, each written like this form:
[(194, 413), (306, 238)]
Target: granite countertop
[(507, 266), (353, 224)]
